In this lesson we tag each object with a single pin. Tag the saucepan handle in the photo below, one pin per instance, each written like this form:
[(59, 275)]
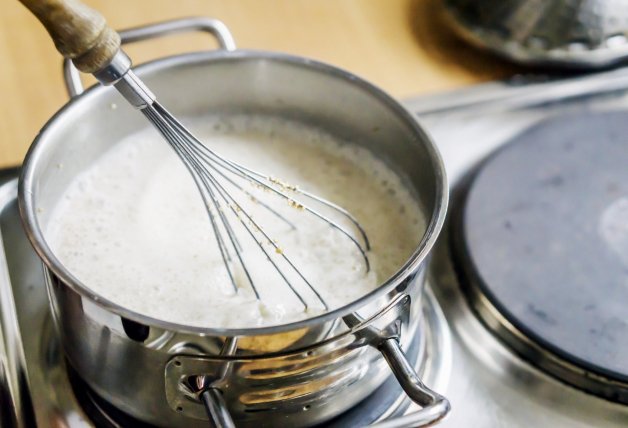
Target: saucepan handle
[(434, 406), (72, 76), (216, 408)]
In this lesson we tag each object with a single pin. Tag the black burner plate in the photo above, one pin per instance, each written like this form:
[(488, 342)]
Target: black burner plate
[(544, 236)]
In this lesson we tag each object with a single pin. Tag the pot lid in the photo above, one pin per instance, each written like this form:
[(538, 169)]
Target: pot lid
[(542, 244), (560, 33)]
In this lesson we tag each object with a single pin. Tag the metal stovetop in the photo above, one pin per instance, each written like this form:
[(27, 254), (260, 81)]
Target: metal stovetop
[(488, 384)]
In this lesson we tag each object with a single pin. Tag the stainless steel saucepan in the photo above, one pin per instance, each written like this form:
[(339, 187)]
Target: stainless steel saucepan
[(300, 374)]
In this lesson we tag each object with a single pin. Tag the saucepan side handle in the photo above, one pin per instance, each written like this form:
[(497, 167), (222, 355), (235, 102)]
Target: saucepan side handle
[(216, 408), (434, 406), (217, 28)]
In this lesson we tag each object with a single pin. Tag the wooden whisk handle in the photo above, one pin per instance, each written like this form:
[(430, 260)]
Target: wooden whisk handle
[(80, 33)]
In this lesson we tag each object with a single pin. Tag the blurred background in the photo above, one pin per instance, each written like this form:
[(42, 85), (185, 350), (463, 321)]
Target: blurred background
[(403, 46)]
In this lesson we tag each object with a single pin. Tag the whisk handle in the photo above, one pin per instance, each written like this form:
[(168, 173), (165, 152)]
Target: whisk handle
[(79, 32)]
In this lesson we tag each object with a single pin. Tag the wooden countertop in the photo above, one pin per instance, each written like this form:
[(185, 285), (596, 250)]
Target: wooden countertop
[(400, 45)]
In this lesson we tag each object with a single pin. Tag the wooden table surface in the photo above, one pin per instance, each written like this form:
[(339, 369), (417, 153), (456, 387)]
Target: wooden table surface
[(400, 45)]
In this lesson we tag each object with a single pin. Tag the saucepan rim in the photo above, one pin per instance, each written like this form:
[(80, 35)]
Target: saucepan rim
[(33, 160)]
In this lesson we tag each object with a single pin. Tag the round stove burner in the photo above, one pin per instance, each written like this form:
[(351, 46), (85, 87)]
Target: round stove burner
[(543, 246)]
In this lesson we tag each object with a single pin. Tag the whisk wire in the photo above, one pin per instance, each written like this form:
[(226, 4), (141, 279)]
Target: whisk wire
[(207, 167), (203, 188), (214, 159), (210, 186), (237, 210), (263, 180)]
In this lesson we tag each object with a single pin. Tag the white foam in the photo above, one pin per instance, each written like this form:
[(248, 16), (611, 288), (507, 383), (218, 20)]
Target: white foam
[(134, 229)]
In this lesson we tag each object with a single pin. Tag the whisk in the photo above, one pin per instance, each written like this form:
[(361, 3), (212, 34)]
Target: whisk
[(82, 35)]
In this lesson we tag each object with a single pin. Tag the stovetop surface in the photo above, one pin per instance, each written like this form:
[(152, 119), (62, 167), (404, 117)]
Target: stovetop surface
[(487, 383), (493, 383)]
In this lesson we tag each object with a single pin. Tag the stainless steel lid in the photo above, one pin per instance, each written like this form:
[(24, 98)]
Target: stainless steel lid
[(566, 33)]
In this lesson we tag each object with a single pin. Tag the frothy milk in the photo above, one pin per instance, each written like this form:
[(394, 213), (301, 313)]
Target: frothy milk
[(134, 229)]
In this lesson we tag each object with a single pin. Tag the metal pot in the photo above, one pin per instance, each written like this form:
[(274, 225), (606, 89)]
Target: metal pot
[(298, 374)]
